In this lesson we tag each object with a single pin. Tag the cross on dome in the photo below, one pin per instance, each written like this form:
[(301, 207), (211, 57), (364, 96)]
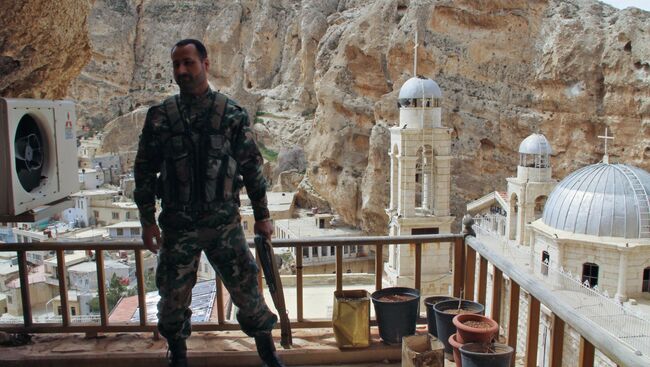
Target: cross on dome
[(606, 138)]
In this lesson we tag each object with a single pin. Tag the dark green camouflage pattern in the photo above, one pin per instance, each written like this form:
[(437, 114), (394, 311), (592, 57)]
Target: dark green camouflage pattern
[(214, 229), (158, 134), (226, 249)]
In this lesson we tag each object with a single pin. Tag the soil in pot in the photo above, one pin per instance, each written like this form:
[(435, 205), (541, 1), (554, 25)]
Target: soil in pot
[(429, 302), (445, 312), (397, 310), (472, 328)]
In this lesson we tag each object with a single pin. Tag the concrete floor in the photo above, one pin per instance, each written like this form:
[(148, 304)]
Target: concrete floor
[(311, 347)]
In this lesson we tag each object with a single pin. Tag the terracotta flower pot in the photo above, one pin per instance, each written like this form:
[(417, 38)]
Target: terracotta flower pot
[(453, 341), (473, 328)]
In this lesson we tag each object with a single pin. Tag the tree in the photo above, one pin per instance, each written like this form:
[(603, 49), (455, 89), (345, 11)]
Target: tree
[(116, 290)]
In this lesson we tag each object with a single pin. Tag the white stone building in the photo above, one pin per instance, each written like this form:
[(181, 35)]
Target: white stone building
[(420, 186), (83, 276), (100, 207), (597, 224), (591, 230), (126, 230), (90, 178)]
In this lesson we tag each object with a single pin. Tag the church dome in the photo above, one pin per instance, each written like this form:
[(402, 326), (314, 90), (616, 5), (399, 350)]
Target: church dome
[(418, 88), (535, 144), (605, 200)]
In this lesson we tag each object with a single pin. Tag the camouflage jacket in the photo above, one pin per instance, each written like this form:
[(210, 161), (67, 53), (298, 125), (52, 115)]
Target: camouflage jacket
[(194, 159)]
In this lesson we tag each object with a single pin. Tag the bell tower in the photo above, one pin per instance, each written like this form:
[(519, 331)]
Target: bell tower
[(420, 185), (527, 193)]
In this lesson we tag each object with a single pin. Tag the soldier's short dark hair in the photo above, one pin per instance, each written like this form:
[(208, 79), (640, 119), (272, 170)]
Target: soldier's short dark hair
[(203, 52)]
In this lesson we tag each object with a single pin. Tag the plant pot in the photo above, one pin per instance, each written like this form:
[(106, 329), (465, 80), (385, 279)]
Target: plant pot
[(472, 328), (397, 310), (444, 324), (486, 354), (455, 345), (429, 302)]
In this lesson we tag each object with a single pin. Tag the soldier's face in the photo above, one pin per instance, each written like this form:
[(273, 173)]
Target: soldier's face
[(189, 69)]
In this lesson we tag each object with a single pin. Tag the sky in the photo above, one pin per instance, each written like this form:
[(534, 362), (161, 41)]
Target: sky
[(622, 4)]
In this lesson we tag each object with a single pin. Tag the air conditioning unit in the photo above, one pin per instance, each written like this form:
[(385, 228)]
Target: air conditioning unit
[(38, 153)]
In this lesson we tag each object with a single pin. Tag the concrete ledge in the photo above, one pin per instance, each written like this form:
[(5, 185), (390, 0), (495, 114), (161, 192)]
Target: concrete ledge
[(228, 348)]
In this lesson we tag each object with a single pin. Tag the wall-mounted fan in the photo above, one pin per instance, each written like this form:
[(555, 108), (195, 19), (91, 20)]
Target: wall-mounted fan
[(38, 146), (29, 152)]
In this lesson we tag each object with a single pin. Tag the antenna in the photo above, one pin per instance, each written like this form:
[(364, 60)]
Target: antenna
[(606, 137), (415, 58)]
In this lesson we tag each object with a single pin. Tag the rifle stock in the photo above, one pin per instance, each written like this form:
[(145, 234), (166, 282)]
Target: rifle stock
[(272, 275)]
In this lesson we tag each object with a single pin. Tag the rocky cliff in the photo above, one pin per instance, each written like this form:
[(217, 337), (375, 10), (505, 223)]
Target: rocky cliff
[(324, 75), (43, 46)]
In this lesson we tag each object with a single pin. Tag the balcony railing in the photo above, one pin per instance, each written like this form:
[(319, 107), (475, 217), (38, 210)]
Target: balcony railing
[(467, 280)]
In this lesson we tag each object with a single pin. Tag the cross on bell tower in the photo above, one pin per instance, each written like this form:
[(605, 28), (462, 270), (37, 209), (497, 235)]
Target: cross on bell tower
[(415, 56)]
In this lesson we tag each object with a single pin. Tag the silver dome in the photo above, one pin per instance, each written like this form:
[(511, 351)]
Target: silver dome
[(418, 87), (606, 200), (535, 144)]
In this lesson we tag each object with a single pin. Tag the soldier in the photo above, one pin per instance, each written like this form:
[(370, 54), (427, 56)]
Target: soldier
[(194, 151)]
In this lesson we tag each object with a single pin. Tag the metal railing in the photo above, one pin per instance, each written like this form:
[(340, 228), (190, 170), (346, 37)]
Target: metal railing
[(465, 274)]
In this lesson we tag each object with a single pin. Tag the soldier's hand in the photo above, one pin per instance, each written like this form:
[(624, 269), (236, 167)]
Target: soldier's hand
[(264, 228), (149, 233)]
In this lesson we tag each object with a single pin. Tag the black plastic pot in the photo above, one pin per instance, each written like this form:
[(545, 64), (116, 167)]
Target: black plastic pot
[(429, 302), (483, 355), (396, 319), (444, 324)]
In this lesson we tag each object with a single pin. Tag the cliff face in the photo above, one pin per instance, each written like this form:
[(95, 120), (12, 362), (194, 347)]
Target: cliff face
[(43, 46), (325, 75)]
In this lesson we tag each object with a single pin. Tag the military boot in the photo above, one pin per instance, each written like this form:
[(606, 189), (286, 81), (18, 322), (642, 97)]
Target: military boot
[(266, 350), (177, 353)]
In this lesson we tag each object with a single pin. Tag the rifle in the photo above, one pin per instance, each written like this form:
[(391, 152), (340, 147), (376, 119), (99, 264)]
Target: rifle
[(272, 275)]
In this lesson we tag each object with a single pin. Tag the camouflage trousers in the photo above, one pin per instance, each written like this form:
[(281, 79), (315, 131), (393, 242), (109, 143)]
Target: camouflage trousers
[(226, 249)]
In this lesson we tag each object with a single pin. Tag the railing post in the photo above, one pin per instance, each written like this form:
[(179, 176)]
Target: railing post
[(513, 320), (470, 261), (459, 265), (220, 305), (139, 273), (482, 280), (497, 287), (63, 287), (532, 335), (379, 266), (418, 266), (339, 268), (299, 292), (101, 286), (557, 341), (23, 272), (587, 351)]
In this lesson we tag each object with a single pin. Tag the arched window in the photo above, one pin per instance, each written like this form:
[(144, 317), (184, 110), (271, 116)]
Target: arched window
[(590, 274), (646, 280), (546, 260), (540, 203)]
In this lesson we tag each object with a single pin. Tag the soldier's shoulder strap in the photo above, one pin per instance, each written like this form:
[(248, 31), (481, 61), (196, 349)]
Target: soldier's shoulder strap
[(174, 114), (219, 107)]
